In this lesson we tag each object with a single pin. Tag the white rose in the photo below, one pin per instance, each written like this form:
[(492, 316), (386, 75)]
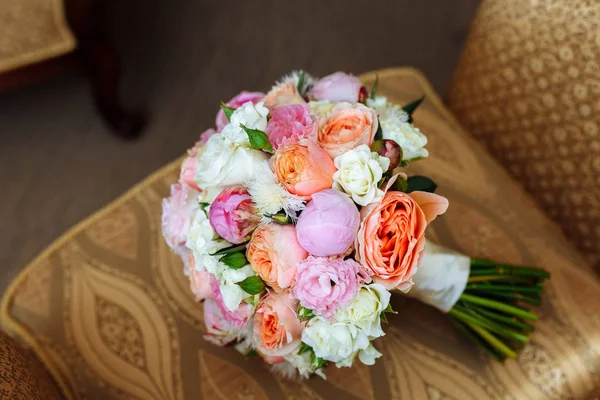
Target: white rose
[(228, 278), (253, 116), (321, 107), (358, 172), (369, 355), (366, 308), (395, 126), (226, 159), (302, 364), (201, 236), (337, 342)]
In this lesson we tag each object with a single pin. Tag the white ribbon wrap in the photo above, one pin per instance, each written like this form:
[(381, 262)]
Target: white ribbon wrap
[(441, 277)]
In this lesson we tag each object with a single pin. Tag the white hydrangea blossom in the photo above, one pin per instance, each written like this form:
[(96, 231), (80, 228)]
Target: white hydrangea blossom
[(358, 173), (395, 126)]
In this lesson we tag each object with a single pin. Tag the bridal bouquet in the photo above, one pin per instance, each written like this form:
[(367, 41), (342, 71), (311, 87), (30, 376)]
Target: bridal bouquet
[(295, 222)]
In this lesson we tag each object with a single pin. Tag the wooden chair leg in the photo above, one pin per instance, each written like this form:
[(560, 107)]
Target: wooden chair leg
[(101, 63)]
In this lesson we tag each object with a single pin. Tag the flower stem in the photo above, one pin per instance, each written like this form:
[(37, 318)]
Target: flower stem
[(496, 305), (504, 288), (508, 268), (512, 321), (482, 344), (494, 341), (489, 325), (503, 278)]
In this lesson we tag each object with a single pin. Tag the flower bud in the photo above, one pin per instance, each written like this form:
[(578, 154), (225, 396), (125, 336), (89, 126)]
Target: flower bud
[(232, 215), (390, 149)]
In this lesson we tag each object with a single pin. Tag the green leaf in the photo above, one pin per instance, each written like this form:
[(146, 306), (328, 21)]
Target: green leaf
[(374, 88), (420, 183), (379, 133), (389, 309), (227, 110), (280, 218), (234, 260), (411, 107), (251, 353), (252, 285), (301, 79), (305, 314), (304, 348), (252, 300), (401, 185), (317, 362), (232, 249), (258, 139)]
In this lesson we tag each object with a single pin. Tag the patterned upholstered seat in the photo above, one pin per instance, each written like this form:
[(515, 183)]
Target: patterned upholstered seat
[(528, 86), (109, 311)]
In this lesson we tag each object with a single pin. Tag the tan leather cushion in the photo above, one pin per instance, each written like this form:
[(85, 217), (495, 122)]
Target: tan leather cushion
[(22, 376), (32, 31), (528, 86), (108, 307)]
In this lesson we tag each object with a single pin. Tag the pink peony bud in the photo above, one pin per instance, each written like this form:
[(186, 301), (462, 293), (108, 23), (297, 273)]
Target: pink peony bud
[(329, 223), (337, 87), (390, 149), (232, 215)]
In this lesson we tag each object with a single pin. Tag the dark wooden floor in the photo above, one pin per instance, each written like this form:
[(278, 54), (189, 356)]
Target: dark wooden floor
[(58, 162)]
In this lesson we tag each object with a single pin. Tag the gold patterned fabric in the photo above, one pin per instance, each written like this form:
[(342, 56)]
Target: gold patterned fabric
[(109, 310), (32, 31), (528, 86), (22, 376)]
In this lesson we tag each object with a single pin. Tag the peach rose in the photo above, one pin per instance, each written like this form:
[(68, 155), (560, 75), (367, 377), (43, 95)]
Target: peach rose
[(276, 330), (303, 170), (391, 237), (282, 94), (273, 253), (345, 127)]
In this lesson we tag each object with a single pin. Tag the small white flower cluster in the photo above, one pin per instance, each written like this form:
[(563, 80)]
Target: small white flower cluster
[(352, 330), (395, 126)]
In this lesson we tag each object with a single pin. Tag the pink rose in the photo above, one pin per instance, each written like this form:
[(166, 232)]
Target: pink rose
[(289, 124), (200, 284), (325, 285), (276, 330), (232, 215), (219, 331), (273, 253), (177, 213), (337, 87), (345, 127), (237, 318), (329, 223), (237, 101)]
